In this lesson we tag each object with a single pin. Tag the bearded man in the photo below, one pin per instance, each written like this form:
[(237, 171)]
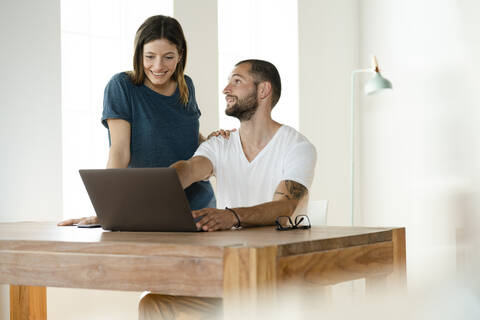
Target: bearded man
[(263, 171)]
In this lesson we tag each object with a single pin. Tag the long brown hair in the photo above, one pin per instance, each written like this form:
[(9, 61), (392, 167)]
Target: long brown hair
[(161, 27)]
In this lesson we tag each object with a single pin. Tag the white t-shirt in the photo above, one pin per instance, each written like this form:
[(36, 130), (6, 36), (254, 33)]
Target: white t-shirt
[(240, 183)]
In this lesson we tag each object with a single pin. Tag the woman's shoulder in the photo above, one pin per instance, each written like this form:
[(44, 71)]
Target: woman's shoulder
[(188, 80), (120, 82), (122, 78)]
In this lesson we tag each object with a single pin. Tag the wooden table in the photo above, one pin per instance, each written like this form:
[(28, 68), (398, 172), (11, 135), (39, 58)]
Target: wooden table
[(239, 265)]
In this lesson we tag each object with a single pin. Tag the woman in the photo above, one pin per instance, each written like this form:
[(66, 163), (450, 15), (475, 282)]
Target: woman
[(151, 113)]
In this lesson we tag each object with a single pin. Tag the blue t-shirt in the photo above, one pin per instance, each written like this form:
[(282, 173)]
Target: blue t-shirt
[(164, 130)]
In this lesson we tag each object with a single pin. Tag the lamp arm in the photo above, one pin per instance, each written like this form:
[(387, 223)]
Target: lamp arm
[(352, 140)]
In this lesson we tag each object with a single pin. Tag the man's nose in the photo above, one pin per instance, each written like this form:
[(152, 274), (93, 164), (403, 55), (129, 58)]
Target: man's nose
[(226, 90)]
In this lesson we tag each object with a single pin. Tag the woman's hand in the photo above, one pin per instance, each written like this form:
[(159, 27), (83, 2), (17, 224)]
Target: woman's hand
[(221, 132), (81, 221)]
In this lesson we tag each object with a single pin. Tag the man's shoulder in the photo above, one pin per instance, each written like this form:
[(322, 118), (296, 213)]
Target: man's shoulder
[(219, 143), (292, 138)]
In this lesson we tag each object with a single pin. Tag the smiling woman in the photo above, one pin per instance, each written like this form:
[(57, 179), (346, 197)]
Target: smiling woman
[(151, 112)]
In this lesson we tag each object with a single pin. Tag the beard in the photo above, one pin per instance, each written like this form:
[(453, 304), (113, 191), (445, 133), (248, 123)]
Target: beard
[(244, 108)]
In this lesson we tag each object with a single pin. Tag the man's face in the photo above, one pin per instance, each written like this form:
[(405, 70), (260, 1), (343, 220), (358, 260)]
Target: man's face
[(241, 93)]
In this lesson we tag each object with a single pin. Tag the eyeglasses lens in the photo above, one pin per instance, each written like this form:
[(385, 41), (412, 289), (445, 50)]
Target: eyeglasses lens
[(284, 222), (302, 222)]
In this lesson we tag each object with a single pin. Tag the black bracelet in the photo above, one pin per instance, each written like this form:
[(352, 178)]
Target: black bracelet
[(238, 224)]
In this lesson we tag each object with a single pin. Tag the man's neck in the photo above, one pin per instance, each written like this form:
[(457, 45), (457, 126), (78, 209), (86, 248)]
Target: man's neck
[(256, 133)]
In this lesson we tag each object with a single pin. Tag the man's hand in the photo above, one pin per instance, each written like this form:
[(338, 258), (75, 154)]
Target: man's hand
[(81, 221), (214, 219)]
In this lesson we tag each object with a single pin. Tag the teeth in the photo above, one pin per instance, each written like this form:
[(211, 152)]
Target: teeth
[(159, 74)]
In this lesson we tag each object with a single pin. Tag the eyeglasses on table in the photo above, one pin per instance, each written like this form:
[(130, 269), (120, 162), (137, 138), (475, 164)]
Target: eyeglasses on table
[(284, 223)]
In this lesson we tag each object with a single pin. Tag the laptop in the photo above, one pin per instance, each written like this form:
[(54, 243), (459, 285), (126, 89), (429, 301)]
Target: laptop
[(139, 199)]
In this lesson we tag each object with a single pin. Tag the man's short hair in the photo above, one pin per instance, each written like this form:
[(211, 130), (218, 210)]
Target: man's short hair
[(265, 71)]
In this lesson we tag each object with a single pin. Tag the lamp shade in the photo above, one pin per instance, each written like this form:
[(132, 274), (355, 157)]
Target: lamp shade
[(377, 83)]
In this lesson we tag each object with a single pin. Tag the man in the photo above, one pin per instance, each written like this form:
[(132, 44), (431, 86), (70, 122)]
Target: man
[(263, 171)]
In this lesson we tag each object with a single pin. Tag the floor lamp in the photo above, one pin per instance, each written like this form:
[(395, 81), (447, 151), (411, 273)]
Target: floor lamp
[(374, 85)]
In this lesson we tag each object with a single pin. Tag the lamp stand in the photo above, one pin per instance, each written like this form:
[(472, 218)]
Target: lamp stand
[(352, 141)]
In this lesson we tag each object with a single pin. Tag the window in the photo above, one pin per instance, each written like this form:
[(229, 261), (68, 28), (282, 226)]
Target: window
[(97, 42), (259, 29)]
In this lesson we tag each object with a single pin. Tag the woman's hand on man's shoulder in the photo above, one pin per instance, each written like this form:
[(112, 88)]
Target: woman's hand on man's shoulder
[(223, 133)]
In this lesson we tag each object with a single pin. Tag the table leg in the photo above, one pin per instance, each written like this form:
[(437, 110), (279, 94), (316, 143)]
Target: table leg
[(399, 274), (398, 278), (249, 281), (28, 303)]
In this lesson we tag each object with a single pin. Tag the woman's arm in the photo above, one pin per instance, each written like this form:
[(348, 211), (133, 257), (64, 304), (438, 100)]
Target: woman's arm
[(120, 132)]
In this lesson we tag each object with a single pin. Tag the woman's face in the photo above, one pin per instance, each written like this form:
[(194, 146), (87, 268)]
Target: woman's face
[(160, 59)]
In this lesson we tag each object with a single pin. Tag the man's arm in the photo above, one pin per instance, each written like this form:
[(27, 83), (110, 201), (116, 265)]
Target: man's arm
[(288, 198), (192, 170)]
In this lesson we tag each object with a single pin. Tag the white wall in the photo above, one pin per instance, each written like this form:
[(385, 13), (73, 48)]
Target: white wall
[(30, 121), (269, 31), (199, 23), (419, 143), (328, 52), (418, 158)]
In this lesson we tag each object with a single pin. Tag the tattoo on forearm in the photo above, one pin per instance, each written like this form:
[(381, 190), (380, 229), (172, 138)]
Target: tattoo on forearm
[(283, 194), (296, 190)]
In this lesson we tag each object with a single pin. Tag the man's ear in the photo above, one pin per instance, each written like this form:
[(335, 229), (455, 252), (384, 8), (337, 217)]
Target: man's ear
[(264, 89)]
